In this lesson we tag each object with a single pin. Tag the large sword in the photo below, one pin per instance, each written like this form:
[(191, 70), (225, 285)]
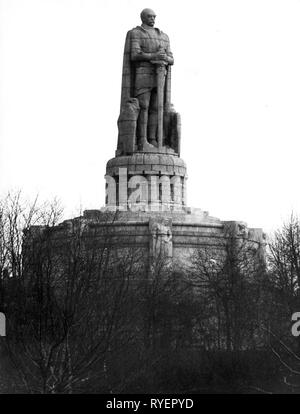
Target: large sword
[(161, 73)]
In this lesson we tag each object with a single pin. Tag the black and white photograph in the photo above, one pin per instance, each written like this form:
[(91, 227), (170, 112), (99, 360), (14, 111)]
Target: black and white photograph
[(149, 199)]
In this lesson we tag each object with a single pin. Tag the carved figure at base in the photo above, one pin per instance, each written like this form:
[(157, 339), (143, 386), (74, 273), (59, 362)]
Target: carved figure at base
[(161, 239)]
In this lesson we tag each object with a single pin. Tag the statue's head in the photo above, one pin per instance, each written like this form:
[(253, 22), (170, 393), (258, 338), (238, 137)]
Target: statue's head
[(148, 17)]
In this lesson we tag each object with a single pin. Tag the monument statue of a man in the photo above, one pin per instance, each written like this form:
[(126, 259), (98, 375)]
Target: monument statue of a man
[(146, 84)]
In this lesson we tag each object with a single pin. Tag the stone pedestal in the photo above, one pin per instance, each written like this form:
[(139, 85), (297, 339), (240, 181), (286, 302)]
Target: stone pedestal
[(146, 182), (176, 236)]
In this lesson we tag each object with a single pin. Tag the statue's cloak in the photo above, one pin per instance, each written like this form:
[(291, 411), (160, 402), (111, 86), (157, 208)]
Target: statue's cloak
[(128, 74)]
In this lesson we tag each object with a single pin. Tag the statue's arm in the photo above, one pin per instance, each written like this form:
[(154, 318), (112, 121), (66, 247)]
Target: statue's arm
[(170, 58), (137, 55), (136, 52)]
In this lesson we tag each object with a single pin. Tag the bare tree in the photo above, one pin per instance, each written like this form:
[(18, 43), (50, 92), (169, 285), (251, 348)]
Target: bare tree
[(227, 281), (283, 300), (72, 309), (284, 265)]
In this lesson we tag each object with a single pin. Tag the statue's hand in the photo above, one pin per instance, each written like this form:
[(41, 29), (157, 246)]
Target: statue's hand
[(161, 56)]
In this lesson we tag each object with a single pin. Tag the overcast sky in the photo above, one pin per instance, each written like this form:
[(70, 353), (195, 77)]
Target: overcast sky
[(235, 81)]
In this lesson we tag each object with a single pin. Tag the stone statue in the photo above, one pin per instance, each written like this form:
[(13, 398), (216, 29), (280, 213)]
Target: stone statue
[(161, 238), (147, 77)]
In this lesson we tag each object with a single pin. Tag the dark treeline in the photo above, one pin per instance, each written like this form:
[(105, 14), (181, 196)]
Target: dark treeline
[(88, 319)]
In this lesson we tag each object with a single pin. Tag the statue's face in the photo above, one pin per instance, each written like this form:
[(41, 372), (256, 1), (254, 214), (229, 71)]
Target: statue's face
[(148, 17)]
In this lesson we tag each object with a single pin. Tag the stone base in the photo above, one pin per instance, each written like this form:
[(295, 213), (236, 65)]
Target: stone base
[(156, 180), (147, 163), (177, 235)]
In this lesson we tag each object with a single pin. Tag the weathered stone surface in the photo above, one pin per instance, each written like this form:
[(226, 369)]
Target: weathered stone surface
[(148, 121), (146, 181), (174, 235), (160, 237), (127, 126)]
